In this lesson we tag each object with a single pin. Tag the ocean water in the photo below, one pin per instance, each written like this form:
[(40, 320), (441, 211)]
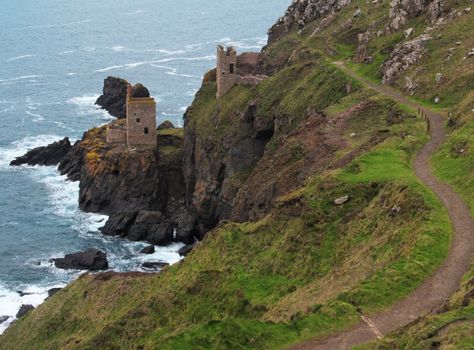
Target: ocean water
[(54, 57)]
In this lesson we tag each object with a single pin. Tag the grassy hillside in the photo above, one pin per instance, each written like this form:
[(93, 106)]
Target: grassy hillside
[(453, 326), (310, 267)]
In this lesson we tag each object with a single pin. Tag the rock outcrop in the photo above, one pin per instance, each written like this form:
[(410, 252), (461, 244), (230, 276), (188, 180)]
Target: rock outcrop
[(148, 250), (403, 56), (24, 309), (300, 13), (91, 259), (149, 226), (51, 154), (113, 96)]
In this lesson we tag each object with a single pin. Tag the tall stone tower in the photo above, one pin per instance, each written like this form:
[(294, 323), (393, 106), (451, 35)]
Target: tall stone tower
[(141, 116), (226, 69)]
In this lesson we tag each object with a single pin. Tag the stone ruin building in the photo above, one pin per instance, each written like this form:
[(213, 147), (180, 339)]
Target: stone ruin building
[(140, 123), (233, 69)]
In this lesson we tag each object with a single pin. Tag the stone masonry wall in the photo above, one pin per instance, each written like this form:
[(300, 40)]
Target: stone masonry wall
[(141, 121)]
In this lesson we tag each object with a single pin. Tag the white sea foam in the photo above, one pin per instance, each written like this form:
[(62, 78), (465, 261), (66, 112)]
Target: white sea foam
[(66, 52), (170, 52), (11, 300), (68, 24), (119, 48), (183, 109), (19, 58), (86, 106), (192, 92), (134, 13), (23, 77), (137, 64), (36, 117)]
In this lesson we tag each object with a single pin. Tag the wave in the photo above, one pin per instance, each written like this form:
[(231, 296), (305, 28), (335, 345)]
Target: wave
[(119, 48), (19, 58), (137, 64), (23, 77), (66, 52), (68, 24), (36, 117), (134, 13)]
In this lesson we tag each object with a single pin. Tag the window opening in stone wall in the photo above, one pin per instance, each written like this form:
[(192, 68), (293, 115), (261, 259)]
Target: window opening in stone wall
[(138, 120), (146, 130), (231, 68)]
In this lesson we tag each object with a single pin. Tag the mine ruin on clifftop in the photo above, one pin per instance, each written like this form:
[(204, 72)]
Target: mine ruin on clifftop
[(236, 70), (140, 126)]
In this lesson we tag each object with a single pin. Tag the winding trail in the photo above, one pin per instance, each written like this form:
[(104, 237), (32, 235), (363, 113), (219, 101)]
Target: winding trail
[(446, 280)]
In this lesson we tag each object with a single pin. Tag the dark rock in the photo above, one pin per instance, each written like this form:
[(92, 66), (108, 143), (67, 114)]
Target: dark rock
[(186, 249), (148, 250), (155, 265), (51, 154), (149, 217), (72, 163), (53, 291), (160, 234), (140, 226), (138, 91), (91, 259), (3, 319), (166, 125), (24, 309), (118, 224), (22, 294), (114, 96)]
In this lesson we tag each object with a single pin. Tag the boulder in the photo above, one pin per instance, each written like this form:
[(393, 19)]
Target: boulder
[(51, 154), (4, 319), (114, 96), (148, 250), (154, 265), (118, 224), (186, 249), (166, 125), (91, 259), (24, 309), (22, 294), (139, 91), (53, 291), (341, 200)]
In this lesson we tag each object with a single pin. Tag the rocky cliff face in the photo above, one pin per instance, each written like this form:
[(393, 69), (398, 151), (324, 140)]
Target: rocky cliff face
[(300, 13), (113, 96)]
